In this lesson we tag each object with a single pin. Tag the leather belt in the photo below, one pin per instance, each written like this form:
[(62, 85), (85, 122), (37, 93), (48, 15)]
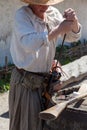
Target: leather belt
[(43, 74)]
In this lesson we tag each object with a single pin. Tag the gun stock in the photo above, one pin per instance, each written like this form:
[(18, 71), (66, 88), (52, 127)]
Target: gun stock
[(53, 112)]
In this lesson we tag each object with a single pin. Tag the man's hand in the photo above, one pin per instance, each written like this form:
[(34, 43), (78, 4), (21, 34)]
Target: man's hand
[(70, 23), (70, 15), (65, 27)]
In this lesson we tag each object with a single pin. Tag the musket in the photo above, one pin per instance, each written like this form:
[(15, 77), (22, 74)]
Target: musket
[(54, 112)]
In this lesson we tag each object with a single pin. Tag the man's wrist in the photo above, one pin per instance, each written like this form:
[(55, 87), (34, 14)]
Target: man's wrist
[(76, 26)]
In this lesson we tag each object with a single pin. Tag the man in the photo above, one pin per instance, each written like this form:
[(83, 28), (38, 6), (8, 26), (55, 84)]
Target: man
[(37, 27)]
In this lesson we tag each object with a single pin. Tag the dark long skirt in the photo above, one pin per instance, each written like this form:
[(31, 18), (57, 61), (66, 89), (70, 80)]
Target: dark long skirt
[(24, 105)]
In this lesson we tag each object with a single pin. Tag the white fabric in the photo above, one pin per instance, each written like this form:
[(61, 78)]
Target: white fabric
[(30, 47)]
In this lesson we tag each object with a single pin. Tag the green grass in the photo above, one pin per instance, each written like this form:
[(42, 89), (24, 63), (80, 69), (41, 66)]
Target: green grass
[(4, 83)]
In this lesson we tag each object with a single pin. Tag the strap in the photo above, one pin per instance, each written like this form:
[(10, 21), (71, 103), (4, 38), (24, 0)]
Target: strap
[(59, 56)]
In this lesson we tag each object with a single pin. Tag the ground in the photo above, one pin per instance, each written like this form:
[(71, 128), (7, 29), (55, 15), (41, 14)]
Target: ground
[(4, 117)]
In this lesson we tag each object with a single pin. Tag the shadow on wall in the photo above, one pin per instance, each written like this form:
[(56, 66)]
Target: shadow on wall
[(5, 51)]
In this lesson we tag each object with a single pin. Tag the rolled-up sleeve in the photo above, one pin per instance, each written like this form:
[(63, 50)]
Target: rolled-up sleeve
[(29, 38), (72, 37), (34, 41)]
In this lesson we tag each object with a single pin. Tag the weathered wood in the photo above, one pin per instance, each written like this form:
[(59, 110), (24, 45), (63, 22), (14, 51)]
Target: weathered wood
[(54, 112), (72, 118)]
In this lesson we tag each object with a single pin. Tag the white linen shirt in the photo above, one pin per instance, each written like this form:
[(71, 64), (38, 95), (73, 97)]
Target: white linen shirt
[(30, 47)]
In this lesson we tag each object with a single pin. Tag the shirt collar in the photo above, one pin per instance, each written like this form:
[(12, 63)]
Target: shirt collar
[(36, 18)]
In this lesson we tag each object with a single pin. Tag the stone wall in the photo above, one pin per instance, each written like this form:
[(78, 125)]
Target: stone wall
[(7, 11)]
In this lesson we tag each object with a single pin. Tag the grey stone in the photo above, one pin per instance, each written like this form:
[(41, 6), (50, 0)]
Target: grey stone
[(75, 71)]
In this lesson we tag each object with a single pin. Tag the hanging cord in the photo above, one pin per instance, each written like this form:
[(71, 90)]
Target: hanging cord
[(59, 57), (60, 53)]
